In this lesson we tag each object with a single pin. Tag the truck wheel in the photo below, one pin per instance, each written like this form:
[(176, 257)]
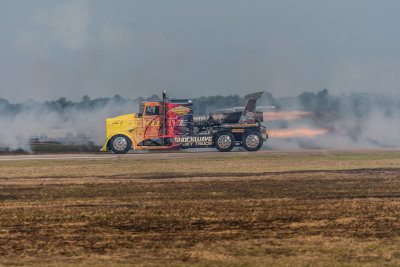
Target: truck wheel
[(120, 144), (224, 141), (252, 141)]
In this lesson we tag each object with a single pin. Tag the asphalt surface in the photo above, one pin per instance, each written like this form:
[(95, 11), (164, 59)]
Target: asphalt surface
[(193, 154)]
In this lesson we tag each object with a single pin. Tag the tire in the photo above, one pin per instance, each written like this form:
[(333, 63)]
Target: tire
[(120, 144), (252, 141), (224, 141)]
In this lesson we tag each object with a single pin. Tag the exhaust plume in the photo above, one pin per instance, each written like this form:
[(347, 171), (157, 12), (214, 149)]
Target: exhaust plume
[(285, 115), (304, 132)]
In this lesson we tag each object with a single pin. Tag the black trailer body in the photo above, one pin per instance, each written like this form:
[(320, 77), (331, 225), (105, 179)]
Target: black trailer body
[(227, 130)]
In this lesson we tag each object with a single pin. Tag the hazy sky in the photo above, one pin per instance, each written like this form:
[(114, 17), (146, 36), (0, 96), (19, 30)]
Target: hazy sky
[(54, 48)]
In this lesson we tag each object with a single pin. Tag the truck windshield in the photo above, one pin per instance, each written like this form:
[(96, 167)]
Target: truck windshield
[(141, 110)]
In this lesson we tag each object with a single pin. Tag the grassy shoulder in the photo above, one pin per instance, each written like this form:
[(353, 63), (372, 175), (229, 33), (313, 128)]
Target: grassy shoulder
[(242, 164)]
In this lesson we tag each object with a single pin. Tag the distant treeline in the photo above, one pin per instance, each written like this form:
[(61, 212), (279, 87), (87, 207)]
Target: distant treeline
[(324, 106)]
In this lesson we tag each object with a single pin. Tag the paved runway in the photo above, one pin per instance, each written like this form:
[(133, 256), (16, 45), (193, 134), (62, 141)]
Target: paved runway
[(193, 154)]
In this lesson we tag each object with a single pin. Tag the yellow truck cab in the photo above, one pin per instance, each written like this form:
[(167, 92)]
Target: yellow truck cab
[(137, 127)]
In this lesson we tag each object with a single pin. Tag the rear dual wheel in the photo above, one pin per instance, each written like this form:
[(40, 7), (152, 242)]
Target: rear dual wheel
[(224, 141), (252, 141)]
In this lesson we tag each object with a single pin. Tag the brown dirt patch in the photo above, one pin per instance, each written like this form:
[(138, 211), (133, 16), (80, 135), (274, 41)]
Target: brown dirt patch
[(304, 216)]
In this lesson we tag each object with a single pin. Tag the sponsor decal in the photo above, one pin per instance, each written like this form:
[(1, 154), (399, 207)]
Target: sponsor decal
[(237, 131), (176, 123), (180, 110), (121, 123), (247, 117), (155, 123), (193, 141), (136, 123)]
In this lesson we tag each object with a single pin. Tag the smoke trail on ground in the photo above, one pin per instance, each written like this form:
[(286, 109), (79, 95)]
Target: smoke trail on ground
[(59, 121)]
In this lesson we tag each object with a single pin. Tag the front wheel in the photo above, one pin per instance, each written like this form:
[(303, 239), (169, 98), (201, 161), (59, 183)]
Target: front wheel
[(224, 141), (252, 141), (120, 144)]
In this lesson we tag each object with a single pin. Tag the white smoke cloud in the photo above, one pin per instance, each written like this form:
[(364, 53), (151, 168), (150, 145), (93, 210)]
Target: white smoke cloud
[(71, 126)]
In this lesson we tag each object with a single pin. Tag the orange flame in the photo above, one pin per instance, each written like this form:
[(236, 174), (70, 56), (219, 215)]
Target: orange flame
[(303, 132), (284, 115)]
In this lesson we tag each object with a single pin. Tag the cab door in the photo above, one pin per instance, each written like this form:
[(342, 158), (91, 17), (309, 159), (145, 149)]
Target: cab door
[(152, 120)]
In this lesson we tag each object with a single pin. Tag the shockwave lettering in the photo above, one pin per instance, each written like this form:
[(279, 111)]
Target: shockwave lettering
[(194, 141)]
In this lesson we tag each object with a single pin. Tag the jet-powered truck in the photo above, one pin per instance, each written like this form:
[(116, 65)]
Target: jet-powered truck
[(170, 124)]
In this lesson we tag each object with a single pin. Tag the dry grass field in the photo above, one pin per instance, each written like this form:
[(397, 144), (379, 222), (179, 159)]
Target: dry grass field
[(236, 209)]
